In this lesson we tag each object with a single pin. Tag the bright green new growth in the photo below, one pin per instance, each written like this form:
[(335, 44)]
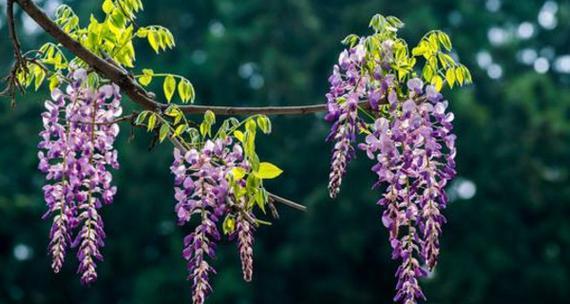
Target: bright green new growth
[(111, 38), (439, 69)]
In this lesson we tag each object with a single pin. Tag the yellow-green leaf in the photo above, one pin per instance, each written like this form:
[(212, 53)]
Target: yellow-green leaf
[(229, 225), (459, 75), (437, 82), (445, 41), (169, 86), (180, 129), (427, 73), (153, 40), (238, 173), (53, 82), (239, 135), (163, 132), (450, 77), (40, 74), (145, 80), (268, 171), (151, 122), (108, 6), (185, 90)]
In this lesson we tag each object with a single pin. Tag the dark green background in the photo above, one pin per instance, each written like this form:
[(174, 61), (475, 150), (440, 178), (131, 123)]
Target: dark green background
[(510, 243)]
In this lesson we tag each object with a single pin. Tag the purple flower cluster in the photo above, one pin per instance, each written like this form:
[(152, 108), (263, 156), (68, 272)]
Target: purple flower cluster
[(415, 151), (348, 87), (202, 189), (76, 151)]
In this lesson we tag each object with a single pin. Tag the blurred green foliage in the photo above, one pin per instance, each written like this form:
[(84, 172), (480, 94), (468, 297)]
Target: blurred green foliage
[(509, 243)]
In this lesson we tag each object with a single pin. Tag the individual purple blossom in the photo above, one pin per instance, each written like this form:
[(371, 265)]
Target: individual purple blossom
[(76, 153), (414, 150)]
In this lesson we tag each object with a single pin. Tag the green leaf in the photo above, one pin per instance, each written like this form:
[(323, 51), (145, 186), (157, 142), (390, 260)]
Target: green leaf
[(151, 122), (141, 117), (180, 129), (169, 86), (108, 6), (445, 41), (53, 82), (229, 225), (268, 171), (210, 117), (450, 77), (350, 40), (153, 40), (163, 132), (437, 82), (40, 74), (145, 80), (395, 22), (239, 135), (238, 173), (466, 73), (459, 75), (264, 124), (186, 90), (427, 73)]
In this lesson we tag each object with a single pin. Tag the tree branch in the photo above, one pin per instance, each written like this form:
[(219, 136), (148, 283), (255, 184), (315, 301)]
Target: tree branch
[(132, 89)]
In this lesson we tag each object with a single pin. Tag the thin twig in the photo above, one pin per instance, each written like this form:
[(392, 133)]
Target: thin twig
[(287, 202)]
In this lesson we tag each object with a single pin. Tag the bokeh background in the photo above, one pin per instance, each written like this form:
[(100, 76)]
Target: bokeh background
[(508, 234)]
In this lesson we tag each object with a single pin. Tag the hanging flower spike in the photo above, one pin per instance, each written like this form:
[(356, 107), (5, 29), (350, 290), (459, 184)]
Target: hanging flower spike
[(94, 136), (76, 151), (76, 154), (412, 162), (202, 189), (244, 230), (439, 169), (348, 87), (52, 162)]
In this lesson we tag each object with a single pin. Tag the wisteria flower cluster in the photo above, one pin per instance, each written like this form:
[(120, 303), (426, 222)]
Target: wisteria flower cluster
[(76, 153), (408, 135), (210, 184)]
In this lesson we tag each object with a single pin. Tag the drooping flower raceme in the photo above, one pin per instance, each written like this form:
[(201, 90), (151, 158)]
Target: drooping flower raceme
[(244, 231), (202, 190), (76, 154), (348, 87), (414, 149)]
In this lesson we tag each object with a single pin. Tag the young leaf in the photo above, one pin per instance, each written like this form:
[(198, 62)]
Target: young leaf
[(459, 75), (264, 124), (180, 129), (437, 82), (153, 40), (450, 77), (445, 41), (268, 171), (238, 173), (185, 90), (229, 225), (163, 132), (108, 6), (151, 122), (169, 86), (40, 74), (141, 117), (239, 135)]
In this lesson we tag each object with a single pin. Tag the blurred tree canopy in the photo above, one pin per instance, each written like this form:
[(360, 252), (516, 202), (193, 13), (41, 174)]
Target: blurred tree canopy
[(508, 234)]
